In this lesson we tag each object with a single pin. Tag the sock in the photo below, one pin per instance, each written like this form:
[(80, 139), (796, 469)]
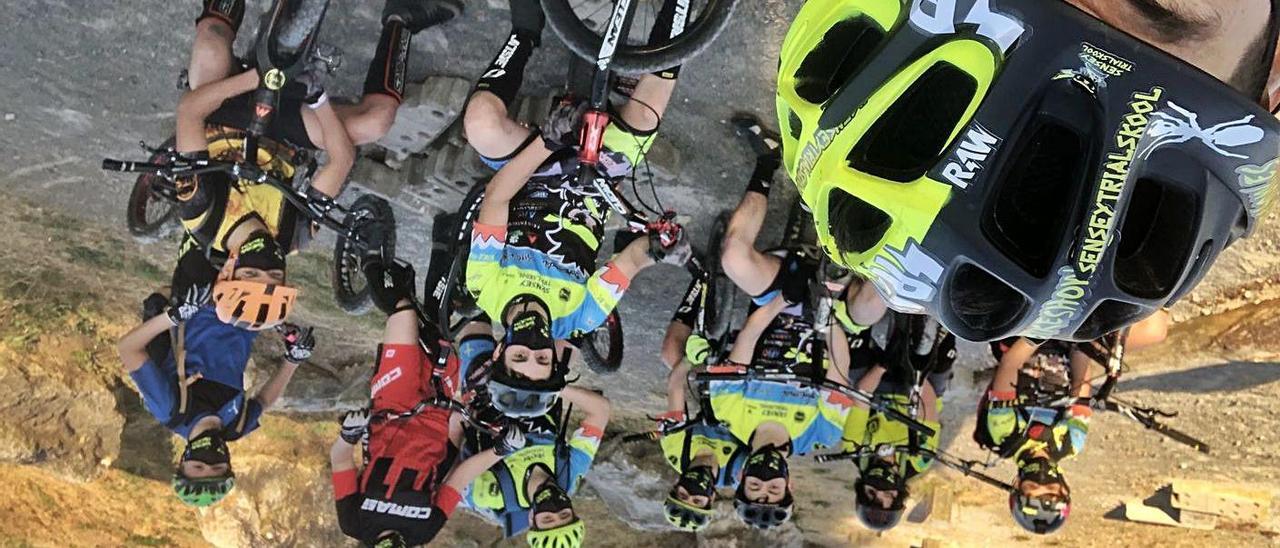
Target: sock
[(762, 178), (390, 64), (665, 28), (229, 11), (505, 74)]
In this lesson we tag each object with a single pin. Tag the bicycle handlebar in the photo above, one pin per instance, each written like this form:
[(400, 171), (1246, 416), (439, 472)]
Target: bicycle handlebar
[(877, 404)]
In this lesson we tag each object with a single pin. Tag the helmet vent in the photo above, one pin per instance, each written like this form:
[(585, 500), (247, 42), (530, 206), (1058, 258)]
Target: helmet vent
[(1031, 209), (910, 136), (843, 50), (1156, 239), (794, 124), (856, 225), (1107, 317), (984, 303)]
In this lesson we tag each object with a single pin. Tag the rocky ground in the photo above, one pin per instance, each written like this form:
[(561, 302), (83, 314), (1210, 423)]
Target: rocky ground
[(84, 465)]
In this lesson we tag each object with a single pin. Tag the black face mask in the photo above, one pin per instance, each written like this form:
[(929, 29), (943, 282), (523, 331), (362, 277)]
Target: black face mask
[(882, 475), (698, 481), (550, 498), (529, 329), (208, 447), (1040, 470), (766, 463), (260, 251)]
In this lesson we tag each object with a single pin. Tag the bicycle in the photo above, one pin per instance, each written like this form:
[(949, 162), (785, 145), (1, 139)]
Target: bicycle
[(1049, 392), (604, 42), (287, 40), (350, 288)]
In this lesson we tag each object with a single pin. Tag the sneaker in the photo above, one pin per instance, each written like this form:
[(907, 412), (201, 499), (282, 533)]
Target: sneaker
[(763, 141), (417, 15), (527, 18)]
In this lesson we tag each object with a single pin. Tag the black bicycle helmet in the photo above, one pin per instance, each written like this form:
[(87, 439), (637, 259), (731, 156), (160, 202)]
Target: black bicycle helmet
[(1016, 166)]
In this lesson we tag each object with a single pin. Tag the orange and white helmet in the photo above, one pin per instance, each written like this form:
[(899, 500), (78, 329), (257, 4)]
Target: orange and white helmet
[(251, 305)]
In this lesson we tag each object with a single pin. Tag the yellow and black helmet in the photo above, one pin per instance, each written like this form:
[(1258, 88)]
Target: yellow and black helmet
[(1016, 166)]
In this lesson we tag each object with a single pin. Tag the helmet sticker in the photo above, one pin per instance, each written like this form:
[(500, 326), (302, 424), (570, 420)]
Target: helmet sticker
[(970, 156), (1256, 183), (1183, 125), (1060, 311), (1098, 65), (1115, 175), (938, 17), (906, 279)]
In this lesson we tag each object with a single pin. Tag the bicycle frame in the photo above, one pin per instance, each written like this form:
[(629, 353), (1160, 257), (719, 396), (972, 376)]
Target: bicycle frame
[(266, 98), (179, 166)]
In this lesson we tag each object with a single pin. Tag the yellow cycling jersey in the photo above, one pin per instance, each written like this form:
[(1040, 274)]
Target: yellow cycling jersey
[(865, 428), (813, 417), (244, 200)]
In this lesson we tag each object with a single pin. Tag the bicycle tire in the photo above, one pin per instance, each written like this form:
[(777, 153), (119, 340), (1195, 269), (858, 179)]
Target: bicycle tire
[(143, 196), (585, 43), (604, 358), (350, 289), (455, 289), (300, 23), (723, 292)]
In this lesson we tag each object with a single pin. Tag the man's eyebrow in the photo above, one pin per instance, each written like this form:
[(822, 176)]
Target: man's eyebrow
[(1175, 26)]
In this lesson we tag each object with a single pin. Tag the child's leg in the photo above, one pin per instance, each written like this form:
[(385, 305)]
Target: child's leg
[(489, 127), (653, 92), (216, 28), (384, 83)]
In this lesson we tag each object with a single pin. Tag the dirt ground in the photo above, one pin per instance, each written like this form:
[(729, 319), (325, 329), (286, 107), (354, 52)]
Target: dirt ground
[(82, 466)]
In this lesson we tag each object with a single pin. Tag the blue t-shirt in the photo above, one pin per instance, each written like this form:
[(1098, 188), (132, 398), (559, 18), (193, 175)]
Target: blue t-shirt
[(220, 353)]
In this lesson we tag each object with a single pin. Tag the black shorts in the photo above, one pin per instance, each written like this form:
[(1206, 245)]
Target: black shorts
[(687, 312), (865, 352), (797, 271), (286, 126)]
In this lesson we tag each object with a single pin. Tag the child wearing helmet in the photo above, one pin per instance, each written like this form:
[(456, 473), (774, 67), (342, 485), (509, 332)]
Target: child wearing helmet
[(251, 226), (209, 407), (1040, 439), (705, 456), (533, 258), (408, 483), (917, 131), (882, 359), (531, 490)]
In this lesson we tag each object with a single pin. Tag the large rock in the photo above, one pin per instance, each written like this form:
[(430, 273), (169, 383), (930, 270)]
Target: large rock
[(59, 418)]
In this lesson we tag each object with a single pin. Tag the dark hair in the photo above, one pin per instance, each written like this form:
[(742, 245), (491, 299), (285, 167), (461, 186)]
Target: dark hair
[(1251, 75)]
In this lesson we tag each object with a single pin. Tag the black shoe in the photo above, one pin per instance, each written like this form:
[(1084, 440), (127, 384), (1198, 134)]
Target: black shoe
[(417, 15), (764, 141), (527, 18), (154, 305), (374, 234)]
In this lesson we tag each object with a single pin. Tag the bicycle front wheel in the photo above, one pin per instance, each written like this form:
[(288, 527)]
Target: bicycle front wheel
[(152, 202), (350, 288), (580, 25), (602, 348)]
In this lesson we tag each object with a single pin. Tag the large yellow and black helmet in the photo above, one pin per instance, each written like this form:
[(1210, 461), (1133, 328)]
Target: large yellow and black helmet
[(1016, 166)]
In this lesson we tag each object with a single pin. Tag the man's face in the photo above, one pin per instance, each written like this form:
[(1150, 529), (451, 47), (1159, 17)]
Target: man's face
[(765, 492), (701, 501), (530, 364), (1225, 38), (884, 499), (194, 469), (274, 276), (1042, 490), (550, 520)]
